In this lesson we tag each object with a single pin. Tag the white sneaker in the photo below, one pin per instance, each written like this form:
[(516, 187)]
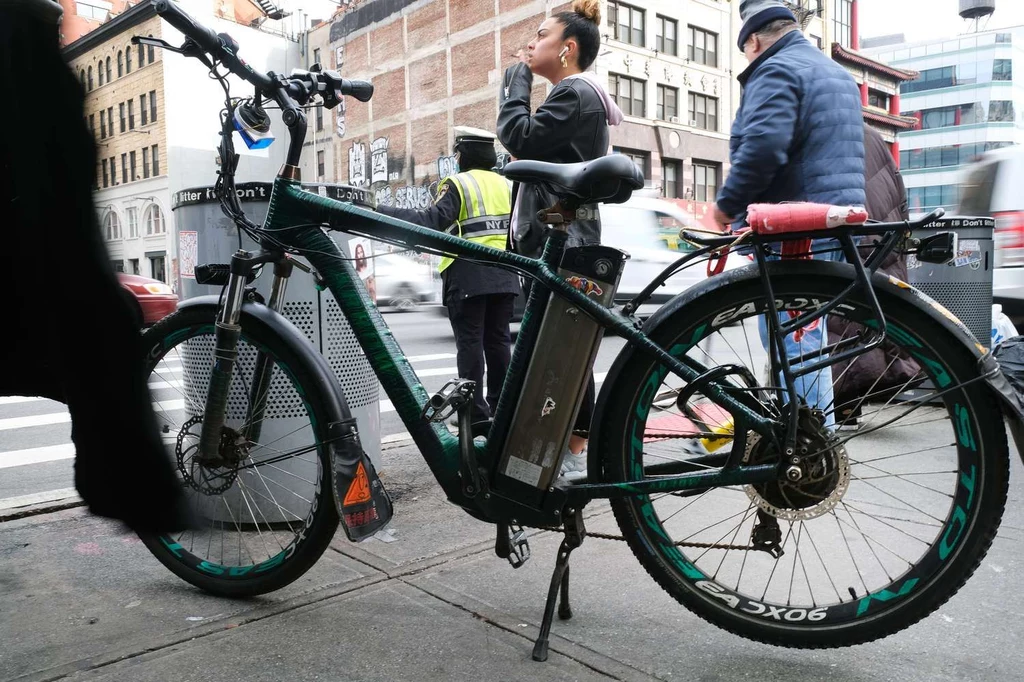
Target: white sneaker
[(574, 467)]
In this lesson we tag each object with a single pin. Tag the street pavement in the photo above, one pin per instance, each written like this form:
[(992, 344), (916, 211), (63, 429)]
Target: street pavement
[(428, 600)]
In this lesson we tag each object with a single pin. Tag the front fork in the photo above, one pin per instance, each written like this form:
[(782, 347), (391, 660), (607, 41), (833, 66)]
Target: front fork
[(225, 354)]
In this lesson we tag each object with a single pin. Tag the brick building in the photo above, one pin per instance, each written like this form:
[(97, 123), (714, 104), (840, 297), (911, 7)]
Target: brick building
[(438, 63), (126, 110), (156, 127)]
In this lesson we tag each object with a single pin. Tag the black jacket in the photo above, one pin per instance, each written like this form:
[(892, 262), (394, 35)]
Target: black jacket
[(570, 126)]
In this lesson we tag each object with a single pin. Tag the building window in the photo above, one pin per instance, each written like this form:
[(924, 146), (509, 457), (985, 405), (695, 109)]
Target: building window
[(319, 117), (316, 55), (133, 222), (99, 73), (665, 39), (1001, 111), (131, 166), (641, 158), (629, 94), (1004, 37), (143, 112), (670, 187), (128, 60), (320, 164), (703, 47), (131, 114), (626, 23), (145, 162), (945, 117), (112, 226), (120, 64), (108, 70), (89, 72), (878, 99), (124, 168), (142, 55), (842, 22), (81, 77), (702, 112), (89, 11), (133, 266), (92, 124), (668, 99), (106, 177), (110, 121), (156, 160), (931, 79), (152, 106), (120, 108), (103, 124), (157, 269), (154, 221), (922, 199), (705, 180), (150, 52), (113, 171), (1002, 70)]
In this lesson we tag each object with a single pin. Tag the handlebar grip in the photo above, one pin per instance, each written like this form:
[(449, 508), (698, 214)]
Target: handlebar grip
[(361, 90), (202, 36)]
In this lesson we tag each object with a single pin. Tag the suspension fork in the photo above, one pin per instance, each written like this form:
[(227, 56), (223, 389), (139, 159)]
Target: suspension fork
[(263, 372), (227, 331)]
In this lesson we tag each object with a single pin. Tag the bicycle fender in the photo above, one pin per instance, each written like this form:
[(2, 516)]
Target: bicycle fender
[(359, 495), (1012, 404)]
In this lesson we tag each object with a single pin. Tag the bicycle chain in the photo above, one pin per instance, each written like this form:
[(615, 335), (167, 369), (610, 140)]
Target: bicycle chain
[(681, 543)]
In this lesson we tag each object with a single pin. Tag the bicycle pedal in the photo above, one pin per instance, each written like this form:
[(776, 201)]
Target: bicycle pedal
[(447, 401), (519, 546)]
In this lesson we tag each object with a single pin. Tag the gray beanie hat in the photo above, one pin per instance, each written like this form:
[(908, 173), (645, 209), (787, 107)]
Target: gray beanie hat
[(756, 14)]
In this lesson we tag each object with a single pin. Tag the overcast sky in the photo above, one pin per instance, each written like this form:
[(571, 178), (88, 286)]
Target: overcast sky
[(927, 19)]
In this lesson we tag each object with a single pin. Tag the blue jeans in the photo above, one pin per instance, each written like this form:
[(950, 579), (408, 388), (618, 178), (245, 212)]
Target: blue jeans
[(815, 388)]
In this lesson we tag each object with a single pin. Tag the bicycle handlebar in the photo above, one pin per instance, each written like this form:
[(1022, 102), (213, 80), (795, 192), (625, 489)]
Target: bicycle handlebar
[(225, 50)]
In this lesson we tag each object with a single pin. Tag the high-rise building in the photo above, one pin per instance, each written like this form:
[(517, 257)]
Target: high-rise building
[(965, 102)]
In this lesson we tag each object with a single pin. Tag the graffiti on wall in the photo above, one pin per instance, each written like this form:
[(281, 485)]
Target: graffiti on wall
[(414, 197), (384, 196), (357, 164), (379, 160), (447, 165)]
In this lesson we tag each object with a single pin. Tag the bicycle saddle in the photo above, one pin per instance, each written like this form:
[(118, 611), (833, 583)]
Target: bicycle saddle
[(609, 179)]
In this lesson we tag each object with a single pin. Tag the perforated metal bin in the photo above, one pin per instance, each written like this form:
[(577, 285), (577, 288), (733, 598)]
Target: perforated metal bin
[(964, 286), (206, 235)]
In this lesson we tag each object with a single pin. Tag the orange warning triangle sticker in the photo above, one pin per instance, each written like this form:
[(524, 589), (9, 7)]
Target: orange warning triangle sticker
[(359, 489)]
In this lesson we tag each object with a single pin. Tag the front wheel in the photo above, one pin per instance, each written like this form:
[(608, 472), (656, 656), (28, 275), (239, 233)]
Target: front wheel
[(902, 488), (266, 504)]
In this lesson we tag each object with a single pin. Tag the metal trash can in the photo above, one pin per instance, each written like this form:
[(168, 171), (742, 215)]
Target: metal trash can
[(963, 286), (206, 235)]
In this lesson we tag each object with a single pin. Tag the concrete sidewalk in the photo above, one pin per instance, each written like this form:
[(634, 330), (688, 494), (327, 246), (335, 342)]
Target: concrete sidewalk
[(80, 600)]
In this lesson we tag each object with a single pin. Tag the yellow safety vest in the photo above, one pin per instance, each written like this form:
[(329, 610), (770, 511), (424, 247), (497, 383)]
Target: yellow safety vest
[(486, 209)]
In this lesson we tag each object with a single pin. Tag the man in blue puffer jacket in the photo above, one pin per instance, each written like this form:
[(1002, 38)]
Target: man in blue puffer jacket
[(798, 136)]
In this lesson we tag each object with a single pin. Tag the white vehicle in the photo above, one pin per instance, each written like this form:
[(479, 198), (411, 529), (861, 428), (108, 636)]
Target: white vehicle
[(992, 187), (403, 282), (647, 228)]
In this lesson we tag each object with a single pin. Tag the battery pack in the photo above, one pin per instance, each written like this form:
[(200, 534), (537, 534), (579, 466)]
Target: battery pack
[(567, 345)]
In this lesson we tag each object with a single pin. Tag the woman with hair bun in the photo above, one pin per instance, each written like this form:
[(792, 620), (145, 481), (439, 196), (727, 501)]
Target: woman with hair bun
[(570, 126)]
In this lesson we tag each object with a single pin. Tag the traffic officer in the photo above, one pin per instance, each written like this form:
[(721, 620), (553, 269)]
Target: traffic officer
[(475, 204)]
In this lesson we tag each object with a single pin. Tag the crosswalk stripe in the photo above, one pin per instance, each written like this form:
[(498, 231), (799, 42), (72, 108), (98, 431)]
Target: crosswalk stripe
[(50, 453), (15, 399)]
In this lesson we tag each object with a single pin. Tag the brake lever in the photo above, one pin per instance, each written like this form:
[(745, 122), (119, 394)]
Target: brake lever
[(157, 42)]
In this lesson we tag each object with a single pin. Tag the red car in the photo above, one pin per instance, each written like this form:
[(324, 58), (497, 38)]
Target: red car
[(149, 299)]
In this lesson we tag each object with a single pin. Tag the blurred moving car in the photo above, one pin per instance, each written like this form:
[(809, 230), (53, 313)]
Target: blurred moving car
[(150, 300), (402, 282), (992, 187)]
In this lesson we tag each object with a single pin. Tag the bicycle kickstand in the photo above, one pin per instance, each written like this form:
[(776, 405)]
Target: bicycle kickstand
[(574, 534)]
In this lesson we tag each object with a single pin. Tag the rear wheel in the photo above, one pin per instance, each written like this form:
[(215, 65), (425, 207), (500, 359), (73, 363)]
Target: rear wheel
[(266, 507), (891, 515)]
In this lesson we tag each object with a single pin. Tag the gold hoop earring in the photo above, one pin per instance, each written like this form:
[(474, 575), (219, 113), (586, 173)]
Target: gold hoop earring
[(565, 64)]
